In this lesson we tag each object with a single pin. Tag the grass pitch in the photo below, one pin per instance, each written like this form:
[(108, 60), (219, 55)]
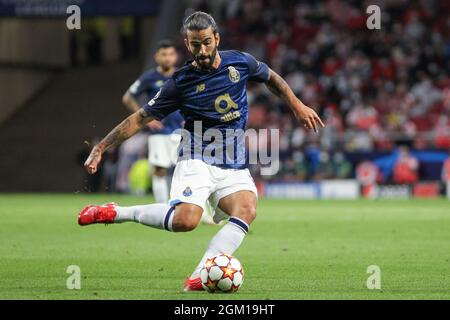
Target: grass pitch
[(295, 250)]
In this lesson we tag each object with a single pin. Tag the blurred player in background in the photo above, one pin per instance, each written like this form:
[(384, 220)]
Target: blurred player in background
[(210, 89), (162, 141)]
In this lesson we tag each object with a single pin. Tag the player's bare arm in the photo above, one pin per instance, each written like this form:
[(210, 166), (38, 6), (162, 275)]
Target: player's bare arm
[(278, 86), (130, 102), (120, 133)]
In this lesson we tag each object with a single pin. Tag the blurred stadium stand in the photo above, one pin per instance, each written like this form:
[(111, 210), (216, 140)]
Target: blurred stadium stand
[(377, 90)]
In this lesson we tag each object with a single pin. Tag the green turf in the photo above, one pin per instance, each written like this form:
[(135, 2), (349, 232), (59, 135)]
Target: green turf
[(295, 250)]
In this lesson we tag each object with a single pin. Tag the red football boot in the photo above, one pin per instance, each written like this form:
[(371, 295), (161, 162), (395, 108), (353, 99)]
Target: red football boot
[(97, 214), (193, 284)]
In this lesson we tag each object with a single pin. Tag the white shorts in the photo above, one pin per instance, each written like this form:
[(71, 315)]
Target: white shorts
[(162, 149), (197, 182)]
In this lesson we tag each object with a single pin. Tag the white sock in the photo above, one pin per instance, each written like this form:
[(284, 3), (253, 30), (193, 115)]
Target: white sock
[(227, 240), (160, 189), (157, 215)]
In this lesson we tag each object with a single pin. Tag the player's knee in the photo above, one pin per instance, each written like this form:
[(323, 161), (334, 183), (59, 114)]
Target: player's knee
[(186, 219), (247, 212)]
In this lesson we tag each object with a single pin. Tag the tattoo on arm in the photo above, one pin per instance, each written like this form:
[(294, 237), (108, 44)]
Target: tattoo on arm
[(125, 129), (117, 135), (278, 86)]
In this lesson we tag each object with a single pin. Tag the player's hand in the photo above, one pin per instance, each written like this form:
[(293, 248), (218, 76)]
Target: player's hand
[(309, 118), (155, 125), (93, 160)]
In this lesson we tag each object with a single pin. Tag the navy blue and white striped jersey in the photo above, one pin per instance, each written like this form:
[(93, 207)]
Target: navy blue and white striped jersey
[(218, 99)]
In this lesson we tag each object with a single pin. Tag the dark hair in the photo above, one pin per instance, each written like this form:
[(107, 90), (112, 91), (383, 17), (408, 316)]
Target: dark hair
[(163, 44), (199, 20)]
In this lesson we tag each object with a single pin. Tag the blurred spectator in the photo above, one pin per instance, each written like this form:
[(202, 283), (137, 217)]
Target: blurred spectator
[(110, 170), (406, 167), (446, 170), (342, 168), (295, 168), (96, 29), (127, 39), (324, 169), (367, 173), (130, 151), (139, 177), (442, 132)]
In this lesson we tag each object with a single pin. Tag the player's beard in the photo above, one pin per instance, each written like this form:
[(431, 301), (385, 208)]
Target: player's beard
[(199, 59), (165, 67)]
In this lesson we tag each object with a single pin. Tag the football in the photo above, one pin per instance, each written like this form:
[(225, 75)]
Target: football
[(222, 273)]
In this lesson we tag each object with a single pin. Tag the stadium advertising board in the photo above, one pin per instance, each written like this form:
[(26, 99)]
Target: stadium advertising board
[(426, 190), (328, 189), (292, 190), (393, 191), (339, 189)]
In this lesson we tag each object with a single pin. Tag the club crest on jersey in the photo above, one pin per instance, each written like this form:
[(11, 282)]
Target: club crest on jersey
[(233, 74), (159, 83), (187, 192)]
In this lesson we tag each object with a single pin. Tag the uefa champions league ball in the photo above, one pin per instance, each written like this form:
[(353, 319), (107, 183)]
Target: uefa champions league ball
[(222, 273)]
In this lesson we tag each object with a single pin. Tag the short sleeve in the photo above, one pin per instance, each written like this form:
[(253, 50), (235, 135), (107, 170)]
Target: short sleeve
[(258, 71), (138, 87), (164, 102)]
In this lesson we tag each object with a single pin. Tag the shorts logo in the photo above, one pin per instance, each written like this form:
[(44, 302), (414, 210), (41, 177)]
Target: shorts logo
[(233, 74), (187, 192)]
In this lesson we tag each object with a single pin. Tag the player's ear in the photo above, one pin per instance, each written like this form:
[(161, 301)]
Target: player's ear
[(217, 36), (186, 43)]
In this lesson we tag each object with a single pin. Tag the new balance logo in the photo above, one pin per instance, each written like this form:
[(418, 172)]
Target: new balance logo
[(200, 88)]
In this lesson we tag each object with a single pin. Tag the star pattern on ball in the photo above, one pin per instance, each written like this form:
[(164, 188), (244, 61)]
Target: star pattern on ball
[(228, 272), (211, 285), (208, 264)]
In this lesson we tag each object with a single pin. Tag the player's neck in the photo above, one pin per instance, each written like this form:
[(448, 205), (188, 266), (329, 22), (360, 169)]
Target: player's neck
[(165, 72), (217, 61)]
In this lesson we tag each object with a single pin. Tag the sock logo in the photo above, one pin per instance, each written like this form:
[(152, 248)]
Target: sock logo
[(187, 192)]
